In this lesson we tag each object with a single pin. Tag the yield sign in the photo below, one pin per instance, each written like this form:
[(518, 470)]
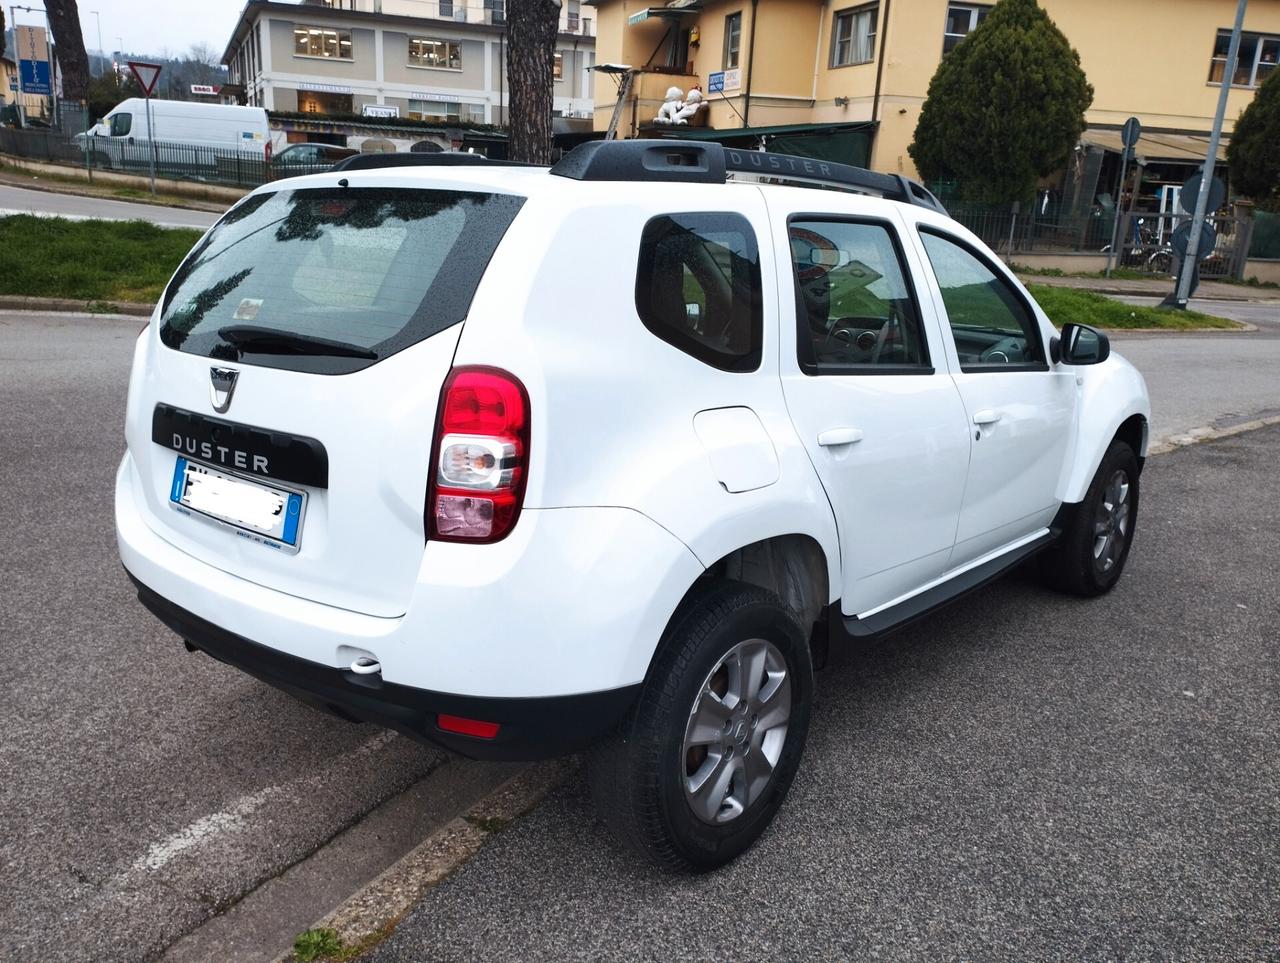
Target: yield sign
[(147, 75)]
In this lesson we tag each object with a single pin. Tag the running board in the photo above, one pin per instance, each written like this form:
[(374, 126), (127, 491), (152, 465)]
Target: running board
[(853, 629)]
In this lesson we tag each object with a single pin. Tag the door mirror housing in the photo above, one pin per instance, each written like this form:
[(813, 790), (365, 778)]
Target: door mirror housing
[(1082, 344)]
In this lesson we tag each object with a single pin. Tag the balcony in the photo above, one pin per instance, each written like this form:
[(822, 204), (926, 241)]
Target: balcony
[(492, 12)]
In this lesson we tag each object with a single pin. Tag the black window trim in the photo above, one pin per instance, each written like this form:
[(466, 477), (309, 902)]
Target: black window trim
[(812, 368), (746, 364), (999, 272)]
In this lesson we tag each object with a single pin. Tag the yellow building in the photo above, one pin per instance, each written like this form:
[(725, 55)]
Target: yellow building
[(846, 80)]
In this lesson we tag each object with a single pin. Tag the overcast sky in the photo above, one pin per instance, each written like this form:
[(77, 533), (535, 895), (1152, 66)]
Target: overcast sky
[(151, 26)]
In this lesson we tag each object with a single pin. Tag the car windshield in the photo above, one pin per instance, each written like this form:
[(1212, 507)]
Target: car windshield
[(374, 269)]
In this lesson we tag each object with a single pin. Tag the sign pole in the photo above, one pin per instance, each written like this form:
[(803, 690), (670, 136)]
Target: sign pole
[(151, 141), (1182, 292), (1129, 138)]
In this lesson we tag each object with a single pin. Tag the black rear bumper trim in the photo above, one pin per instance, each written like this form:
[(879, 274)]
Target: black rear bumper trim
[(531, 728)]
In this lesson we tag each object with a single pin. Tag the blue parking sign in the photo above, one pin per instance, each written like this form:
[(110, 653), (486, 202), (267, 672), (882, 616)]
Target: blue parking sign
[(35, 77), (715, 82)]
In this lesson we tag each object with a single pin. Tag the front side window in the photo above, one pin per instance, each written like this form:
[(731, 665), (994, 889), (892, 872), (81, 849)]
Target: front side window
[(445, 54), (853, 36), (121, 124), (698, 287), (962, 20), (330, 280), (321, 42), (854, 308), (732, 40), (1254, 64), (990, 322)]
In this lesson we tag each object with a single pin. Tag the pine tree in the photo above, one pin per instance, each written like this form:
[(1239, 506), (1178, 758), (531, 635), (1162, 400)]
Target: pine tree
[(1254, 152), (64, 21), (1005, 107), (531, 49)]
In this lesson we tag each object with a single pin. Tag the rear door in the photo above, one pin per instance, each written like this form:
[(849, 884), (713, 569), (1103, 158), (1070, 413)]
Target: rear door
[(868, 390), (1019, 407), (336, 312)]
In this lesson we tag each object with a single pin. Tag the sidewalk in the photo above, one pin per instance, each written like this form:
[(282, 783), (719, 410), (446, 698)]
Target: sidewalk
[(1154, 287)]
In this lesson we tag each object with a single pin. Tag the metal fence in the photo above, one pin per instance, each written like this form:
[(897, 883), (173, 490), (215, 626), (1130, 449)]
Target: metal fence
[(1145, 241), (186, 162)]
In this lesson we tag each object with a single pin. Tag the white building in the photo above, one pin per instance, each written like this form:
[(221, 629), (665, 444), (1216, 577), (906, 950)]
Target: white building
[(432, 60)]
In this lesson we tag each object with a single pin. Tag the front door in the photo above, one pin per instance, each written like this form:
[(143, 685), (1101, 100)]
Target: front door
[(868, 390), (1019, 407)]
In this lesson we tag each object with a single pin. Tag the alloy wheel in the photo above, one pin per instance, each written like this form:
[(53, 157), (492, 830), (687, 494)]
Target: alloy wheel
[(736, 731), (1111, 522)]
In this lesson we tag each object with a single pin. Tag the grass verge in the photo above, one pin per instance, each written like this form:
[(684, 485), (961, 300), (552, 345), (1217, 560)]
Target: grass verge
[(49, 257), (1066, 305)]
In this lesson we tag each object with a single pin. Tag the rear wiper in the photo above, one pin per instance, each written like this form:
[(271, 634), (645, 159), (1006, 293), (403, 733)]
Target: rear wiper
[(277, 341)]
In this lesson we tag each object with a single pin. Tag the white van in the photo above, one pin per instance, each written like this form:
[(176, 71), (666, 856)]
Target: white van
[(177, 126)]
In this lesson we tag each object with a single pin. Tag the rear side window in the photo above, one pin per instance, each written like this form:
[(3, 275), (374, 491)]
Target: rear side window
[(365, 271), (698, 287)]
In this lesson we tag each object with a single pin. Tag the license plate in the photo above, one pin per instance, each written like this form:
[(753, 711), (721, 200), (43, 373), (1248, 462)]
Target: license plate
[(262, 513)]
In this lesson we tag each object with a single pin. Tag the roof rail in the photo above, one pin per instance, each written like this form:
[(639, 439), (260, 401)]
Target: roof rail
[(446, 158), (698, 162)]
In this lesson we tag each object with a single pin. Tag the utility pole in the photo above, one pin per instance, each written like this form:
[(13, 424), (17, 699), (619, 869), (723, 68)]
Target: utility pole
[(1182, 292), (101, 58)]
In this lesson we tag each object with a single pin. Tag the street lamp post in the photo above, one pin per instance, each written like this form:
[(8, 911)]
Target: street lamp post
[(98, 18)]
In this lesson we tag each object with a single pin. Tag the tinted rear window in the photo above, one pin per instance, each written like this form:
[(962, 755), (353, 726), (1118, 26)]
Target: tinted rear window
[(378, 269)]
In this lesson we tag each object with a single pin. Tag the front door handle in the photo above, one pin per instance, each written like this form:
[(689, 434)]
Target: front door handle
[(839, 436), (986, 416)]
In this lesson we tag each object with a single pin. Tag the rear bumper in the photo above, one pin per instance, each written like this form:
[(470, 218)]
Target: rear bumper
[(530, 728)]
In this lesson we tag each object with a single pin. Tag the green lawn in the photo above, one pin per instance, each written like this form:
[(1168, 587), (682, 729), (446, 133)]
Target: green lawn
[(48, 257), (1065, 305)]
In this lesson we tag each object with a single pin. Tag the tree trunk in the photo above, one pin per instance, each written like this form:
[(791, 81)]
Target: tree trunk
[(64, 21), (531, 48)]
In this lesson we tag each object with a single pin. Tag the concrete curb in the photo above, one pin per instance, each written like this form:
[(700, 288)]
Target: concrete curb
[(11, 302), (1208, 433), (368, 916)]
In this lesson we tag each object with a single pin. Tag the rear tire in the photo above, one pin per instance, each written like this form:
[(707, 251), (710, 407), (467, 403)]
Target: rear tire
[(1090, 556), (700, 765)]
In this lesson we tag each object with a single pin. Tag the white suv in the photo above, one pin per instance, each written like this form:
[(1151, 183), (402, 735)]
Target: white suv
[(523, 461)]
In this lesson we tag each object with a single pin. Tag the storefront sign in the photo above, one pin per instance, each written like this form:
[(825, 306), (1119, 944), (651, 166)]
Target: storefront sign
[(380, 110)]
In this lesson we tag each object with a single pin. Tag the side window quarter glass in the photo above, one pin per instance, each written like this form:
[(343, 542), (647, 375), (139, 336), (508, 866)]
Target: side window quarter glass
[(698, 287), (990, 322), (855, 308)]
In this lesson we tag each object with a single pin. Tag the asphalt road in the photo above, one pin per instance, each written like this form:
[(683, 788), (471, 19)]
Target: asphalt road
[(19, 200), (1022, 777), (143, 789)]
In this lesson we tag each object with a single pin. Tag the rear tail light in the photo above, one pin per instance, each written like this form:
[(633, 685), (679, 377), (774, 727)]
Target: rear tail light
[(468, 727), (480, 457)]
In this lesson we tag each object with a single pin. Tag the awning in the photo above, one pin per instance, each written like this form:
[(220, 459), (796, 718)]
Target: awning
[(1154, 146), (672, 11), (842, 143)]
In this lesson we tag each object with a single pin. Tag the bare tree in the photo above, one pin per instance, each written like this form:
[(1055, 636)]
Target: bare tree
[(531, 50), (64, 21)]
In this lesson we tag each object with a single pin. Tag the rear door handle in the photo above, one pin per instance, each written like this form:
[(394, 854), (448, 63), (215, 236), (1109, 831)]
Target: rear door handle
[(839, 436), (986, 416)]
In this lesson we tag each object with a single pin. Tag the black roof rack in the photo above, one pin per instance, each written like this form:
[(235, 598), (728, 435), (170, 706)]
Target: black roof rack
[(446, 158), (701, 163)]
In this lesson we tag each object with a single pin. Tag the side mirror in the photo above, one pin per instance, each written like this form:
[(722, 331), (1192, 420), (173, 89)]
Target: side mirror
[(1082, 344)]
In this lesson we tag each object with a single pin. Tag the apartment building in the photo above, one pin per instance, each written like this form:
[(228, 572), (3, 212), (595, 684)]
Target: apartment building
[(846, 80), (431, 60)]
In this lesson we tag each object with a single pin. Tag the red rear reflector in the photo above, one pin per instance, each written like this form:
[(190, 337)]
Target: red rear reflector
[(467, 727)]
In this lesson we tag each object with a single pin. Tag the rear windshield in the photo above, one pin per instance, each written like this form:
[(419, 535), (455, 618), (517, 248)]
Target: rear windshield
[(332, 280)]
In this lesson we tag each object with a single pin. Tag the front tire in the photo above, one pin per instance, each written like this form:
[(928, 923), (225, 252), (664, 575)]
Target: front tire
[(702, 762), (1090, 556)]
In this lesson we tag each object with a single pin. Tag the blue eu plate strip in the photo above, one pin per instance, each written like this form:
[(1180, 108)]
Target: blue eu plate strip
[(179, 480), (292, 513)]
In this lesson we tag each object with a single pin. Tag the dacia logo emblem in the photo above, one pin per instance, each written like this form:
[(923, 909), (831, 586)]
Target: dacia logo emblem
[(222, 385)]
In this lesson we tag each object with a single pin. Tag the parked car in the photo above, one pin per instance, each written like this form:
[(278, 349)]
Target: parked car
[(309, 158), (185, 133), (522, 461)]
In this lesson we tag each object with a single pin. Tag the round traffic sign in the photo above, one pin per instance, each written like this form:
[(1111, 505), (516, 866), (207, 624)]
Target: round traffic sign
[(1191, 189), (1130, 133), (1182, 234)]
